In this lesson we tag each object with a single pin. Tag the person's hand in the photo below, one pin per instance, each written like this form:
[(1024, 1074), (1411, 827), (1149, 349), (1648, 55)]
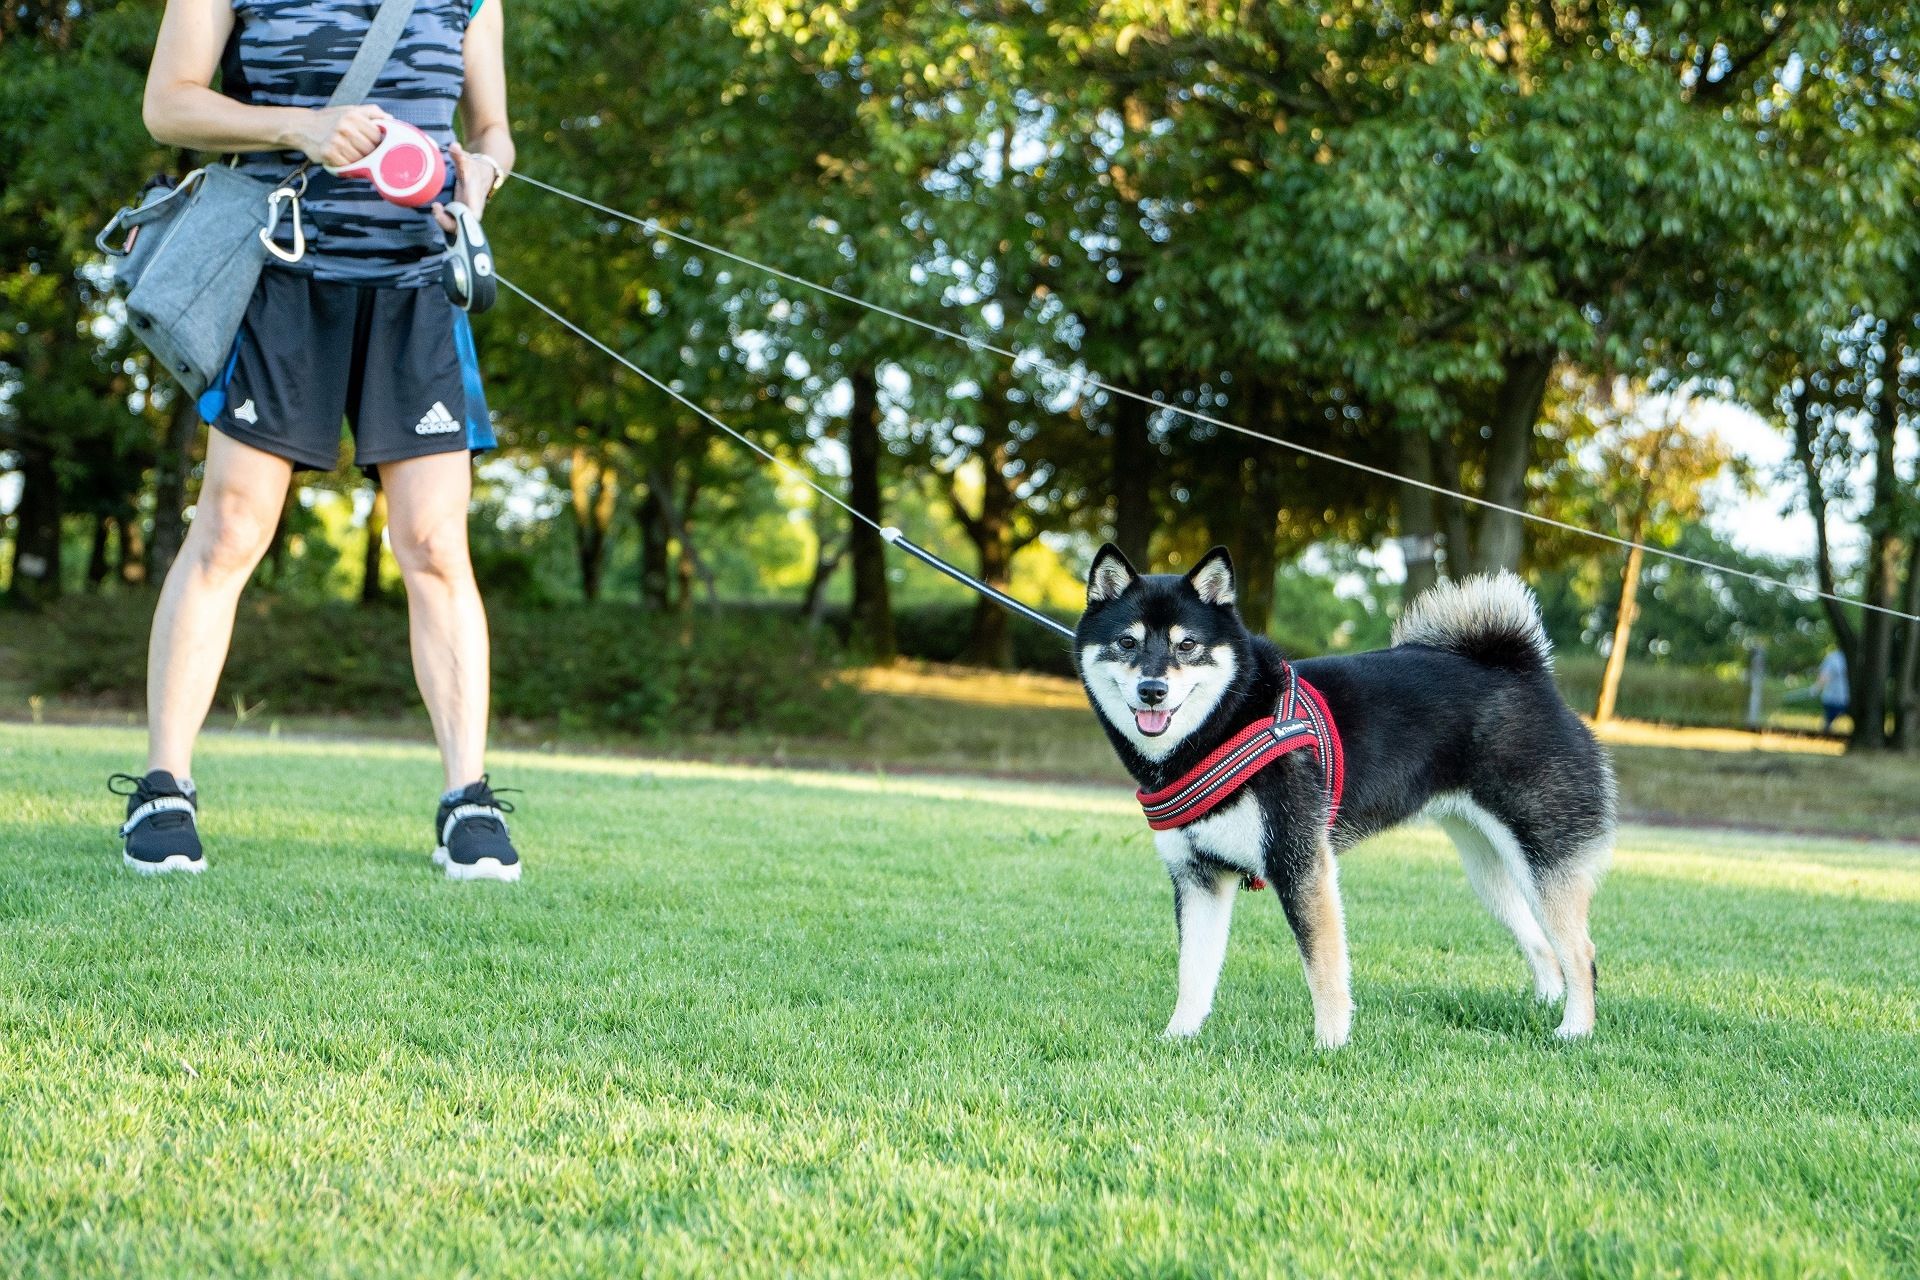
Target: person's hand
[(337, 136), (472, 184)]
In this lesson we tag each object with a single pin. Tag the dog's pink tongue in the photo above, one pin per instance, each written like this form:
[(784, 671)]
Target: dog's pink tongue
[(1152, 722)]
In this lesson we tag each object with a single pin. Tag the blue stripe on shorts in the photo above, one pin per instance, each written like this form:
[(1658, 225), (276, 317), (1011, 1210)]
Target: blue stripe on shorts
[(479, 421)]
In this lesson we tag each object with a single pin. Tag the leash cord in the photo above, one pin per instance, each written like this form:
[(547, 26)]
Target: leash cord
[(653, 226), (887, 532)]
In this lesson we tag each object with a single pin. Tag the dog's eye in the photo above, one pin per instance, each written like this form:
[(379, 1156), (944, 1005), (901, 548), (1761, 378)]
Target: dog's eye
[(1128, 643), (1188, 646)]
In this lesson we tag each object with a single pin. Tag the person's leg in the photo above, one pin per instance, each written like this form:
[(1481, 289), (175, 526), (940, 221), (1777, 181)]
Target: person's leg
[(427, 524), (234, 519)]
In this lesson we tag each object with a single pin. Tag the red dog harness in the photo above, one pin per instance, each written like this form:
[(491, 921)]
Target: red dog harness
[(1302, 720)]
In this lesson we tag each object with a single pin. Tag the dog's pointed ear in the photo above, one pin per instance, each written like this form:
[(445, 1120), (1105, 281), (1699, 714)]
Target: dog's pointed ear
[(1212, 578), (1110, 576)]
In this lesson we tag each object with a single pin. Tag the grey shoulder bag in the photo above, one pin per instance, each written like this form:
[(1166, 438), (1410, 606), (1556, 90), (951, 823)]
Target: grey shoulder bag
[(193, 253)]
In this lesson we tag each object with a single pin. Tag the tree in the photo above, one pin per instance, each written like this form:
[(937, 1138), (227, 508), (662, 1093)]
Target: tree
[(1651, 481)]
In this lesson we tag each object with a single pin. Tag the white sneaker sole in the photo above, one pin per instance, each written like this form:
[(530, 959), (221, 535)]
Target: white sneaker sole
[(484, 869), (172, 862)]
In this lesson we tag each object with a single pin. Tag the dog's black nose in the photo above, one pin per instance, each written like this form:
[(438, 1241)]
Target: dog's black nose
[(1153, 692)]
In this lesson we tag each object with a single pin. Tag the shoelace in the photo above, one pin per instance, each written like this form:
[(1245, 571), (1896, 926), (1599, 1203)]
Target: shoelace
[(482, 795), (492, 798)]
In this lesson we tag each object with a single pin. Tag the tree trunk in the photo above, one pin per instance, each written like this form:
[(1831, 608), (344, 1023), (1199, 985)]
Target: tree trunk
[(990, 640), (36, 546), (97, 565), (276, 557), (1870, 677), (655, 533), (1258, 562), (1630, 577), (594, 492), (1844, 636), (1516, 412), (825, 562), (170, 470), (1458, 547), (1132, 480), (370, 557), (1906, 710), (1419, 518), (872, 635), (1622, 635)]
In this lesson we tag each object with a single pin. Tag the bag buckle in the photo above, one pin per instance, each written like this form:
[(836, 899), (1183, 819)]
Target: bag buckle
[(285, 194), (102, 242)]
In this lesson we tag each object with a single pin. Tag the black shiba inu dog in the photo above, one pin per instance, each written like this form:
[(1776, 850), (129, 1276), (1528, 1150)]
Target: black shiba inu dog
[(1459, 720)]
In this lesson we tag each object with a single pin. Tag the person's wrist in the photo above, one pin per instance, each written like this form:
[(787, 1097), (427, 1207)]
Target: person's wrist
[(295, 129), (498, 170)]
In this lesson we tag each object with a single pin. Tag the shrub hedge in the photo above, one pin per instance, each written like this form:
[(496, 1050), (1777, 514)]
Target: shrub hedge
[(620, 668), (609, 666)]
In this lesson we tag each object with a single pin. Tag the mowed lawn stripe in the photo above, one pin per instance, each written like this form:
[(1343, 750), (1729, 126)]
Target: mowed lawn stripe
[(743, 1022)]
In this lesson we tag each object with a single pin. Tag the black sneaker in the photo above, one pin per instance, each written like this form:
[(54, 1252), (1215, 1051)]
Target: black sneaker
[(160, 831), (471, 832)]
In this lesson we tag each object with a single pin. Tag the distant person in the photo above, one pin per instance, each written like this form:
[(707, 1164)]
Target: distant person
[(359, 328), (1831, 685)]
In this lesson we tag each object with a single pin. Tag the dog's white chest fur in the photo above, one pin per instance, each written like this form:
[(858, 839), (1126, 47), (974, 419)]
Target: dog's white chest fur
[(1235, 833)]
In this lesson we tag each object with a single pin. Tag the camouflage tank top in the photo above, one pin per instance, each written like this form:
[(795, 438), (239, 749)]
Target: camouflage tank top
[(291, 53)]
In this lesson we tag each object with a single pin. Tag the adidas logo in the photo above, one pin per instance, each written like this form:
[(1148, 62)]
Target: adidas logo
[(436, 422), (246, 412)]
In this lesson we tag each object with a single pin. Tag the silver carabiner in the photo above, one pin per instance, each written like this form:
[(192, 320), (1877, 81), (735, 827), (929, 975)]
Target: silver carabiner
[(279, 196)]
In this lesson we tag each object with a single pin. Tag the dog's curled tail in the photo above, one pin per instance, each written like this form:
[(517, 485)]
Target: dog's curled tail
[(1490, 618)]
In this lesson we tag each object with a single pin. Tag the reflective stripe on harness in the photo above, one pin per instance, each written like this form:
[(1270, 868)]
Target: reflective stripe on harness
[(1302, 720)]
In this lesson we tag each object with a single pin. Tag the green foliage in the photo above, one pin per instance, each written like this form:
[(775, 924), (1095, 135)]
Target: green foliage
[(1356, 227), (614, 668)]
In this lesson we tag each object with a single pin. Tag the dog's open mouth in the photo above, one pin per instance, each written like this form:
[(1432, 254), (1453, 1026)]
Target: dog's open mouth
[(1152, 721)]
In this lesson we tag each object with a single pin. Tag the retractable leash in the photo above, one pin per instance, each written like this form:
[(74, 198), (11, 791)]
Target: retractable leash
[(406, 168), (468, 274), (653, 226), (892, 535)]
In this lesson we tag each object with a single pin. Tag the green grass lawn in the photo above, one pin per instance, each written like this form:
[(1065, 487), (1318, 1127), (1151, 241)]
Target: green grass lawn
[(743, 1022)]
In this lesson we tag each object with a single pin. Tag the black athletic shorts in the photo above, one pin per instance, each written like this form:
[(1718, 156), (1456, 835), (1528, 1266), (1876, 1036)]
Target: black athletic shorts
[(397, 365)]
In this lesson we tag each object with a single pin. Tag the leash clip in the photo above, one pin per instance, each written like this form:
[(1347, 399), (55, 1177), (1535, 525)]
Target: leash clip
[(467, 275), (285, 195)]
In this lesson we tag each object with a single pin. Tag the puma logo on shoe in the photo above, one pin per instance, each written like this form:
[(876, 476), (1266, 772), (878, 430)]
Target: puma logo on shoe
[(246, 412), (436, 422)]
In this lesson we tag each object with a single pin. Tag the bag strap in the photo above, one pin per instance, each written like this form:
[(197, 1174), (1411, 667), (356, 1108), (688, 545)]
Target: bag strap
[(373, 53)]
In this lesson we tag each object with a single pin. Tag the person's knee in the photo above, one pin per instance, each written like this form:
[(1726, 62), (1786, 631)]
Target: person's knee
[(435, 550), (229, 535)]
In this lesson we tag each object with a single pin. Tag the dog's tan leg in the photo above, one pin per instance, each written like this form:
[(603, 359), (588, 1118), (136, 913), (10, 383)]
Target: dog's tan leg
[(1203, 909), (1312, 902), (1565, 895)]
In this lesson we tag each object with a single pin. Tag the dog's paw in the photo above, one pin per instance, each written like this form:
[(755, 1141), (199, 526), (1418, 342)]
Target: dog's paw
[(1333, 1031), (1183, 1027), (1571, 1030), (1331, 1037)]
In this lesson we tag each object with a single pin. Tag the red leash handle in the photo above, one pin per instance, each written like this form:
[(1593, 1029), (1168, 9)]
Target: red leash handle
[(406, 168)]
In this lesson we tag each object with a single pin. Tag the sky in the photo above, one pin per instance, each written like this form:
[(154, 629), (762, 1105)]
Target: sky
[(1775, 520)]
